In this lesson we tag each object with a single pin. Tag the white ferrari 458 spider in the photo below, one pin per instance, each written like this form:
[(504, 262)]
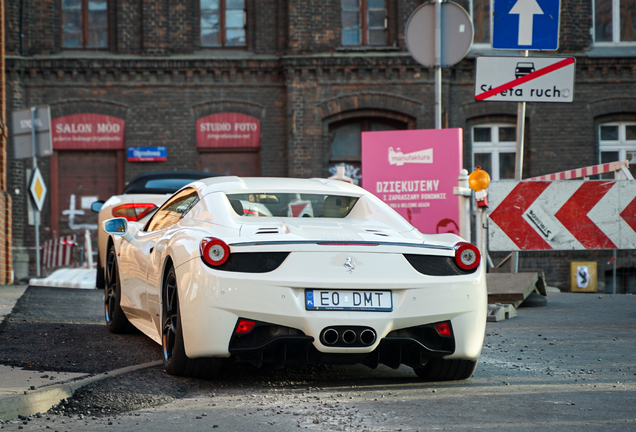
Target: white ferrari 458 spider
[(278, 270)]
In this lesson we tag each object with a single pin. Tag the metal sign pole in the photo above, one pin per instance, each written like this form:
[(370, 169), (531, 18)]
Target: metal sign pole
[(521, 125), (438, 64), (36, 213)]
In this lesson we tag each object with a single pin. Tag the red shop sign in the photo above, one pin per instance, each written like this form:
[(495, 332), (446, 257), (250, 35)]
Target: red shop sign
[(228, 130), (87, 132)]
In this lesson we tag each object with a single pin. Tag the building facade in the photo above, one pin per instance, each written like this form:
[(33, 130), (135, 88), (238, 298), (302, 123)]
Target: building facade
[(304, 78), (6, 260)]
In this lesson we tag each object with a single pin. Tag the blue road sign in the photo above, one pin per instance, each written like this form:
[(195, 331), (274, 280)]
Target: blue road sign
[(526, 24)]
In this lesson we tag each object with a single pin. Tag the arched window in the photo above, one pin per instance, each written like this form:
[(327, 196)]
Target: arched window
[(617, 141), (345, 139), (494, 149)]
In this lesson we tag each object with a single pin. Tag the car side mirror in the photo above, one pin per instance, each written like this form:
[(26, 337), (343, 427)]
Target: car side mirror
[(116, 226), (96, 206), (119, 227)]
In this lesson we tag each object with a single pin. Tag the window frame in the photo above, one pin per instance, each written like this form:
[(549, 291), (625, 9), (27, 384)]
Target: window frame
[(471, 13), (364, 26), (222, 28), (494, 147), (85, 26), (616, 27), (622, 145)]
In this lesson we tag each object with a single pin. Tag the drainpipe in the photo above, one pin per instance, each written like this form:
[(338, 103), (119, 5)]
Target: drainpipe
[(22, 27)]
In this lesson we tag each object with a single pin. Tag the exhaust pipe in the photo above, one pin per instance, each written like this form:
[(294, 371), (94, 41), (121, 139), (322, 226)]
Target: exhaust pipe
[(330, 336), (367, 337), (349, 336)]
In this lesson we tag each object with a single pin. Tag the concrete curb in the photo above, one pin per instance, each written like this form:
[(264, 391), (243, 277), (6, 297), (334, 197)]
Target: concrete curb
[(40, 401)]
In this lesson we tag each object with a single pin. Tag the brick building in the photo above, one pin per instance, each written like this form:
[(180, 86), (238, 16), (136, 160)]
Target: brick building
[(5, 198), (308, 76)]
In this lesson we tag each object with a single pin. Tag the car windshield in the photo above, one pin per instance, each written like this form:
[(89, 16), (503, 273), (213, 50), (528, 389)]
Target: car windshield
[(291, 205)]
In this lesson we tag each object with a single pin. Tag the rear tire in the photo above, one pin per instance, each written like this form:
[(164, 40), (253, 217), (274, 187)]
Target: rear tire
[(116, 320), (175, 360), (439, 369)]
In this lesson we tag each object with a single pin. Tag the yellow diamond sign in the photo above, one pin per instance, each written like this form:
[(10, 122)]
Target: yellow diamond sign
[(38, 189)]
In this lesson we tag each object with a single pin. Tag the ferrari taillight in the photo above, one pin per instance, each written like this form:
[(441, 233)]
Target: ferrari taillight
[(467, 256), (214, 251), (133, 212)]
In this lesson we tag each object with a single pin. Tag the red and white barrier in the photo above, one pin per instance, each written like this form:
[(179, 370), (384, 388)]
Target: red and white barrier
[(58, 252), (584, 172)]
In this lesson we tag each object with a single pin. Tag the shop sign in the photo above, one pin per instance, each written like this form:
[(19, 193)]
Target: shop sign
[(88, 132), (414, 172), (228, 130), (147, 154)]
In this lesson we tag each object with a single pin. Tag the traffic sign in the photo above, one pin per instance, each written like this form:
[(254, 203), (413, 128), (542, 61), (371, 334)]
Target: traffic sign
[(457, 34), (37, 189), (562, 215), (23, 135), (525, 79), (525, 24)]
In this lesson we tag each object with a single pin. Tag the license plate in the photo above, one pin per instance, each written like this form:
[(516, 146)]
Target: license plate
[(378, 301)]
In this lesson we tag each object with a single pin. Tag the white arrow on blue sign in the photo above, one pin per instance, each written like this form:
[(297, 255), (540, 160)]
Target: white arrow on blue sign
[(525, 24)]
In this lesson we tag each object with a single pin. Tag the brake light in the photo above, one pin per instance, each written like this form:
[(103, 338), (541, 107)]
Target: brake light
[(346, 243), (244, 326), (467, 256), (133, 212), (443, 329), (214, 251)]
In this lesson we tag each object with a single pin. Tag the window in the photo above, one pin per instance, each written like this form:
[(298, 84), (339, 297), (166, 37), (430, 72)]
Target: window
[(173, 210), (479, 11), (223, 23), (617, 143), (614, 21), (85, 23), (494, 149), (275, 204), (346, 143), (364, 22)]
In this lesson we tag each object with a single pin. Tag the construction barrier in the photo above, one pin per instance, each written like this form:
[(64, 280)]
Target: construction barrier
[(58, 252)]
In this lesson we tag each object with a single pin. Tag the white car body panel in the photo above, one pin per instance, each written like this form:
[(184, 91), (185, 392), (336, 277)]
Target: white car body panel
[(211, 301)]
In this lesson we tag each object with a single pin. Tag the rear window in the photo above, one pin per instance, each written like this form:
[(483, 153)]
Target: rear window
[(291, 205)]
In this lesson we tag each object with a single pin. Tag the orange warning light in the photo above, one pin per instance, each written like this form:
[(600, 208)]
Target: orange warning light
[(478, 179)]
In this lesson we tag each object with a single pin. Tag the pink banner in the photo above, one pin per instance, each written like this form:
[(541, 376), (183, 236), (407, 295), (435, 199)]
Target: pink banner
[(414, 172), (228, 130), (87, 132)]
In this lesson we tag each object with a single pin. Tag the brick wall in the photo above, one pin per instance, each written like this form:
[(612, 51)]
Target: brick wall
[(5, 198), (297, 79)]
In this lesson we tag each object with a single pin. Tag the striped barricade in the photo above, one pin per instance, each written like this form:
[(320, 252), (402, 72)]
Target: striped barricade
[(58, 252)]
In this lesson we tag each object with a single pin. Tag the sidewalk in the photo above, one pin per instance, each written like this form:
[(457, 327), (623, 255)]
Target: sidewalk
[(27, 392), (19, 387)]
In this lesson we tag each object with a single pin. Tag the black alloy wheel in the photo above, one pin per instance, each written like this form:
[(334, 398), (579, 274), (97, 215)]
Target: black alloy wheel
[(170, 318), (116, 321), (175, 360)]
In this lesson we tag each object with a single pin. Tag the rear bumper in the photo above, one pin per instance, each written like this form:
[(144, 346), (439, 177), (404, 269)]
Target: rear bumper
[(211, 302), (269, 343)]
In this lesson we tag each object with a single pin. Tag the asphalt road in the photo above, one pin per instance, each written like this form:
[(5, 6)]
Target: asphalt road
[(569, 366)]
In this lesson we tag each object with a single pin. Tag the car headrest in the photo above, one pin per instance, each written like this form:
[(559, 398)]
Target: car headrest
[(336, 206), (237, 206)]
